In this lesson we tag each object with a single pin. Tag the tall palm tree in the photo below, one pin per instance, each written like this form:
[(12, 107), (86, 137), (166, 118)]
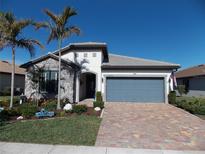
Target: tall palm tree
[(59, 30), (11, 36)]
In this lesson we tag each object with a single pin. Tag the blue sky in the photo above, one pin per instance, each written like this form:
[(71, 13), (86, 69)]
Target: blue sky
[(167, 30)]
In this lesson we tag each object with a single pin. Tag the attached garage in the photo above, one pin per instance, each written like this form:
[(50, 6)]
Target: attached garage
[(135, 89)]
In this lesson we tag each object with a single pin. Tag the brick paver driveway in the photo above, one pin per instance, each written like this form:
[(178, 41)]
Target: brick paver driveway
[(150, 126)]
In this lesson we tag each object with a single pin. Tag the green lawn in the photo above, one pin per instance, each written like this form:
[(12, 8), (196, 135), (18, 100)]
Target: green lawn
[(74, 130)]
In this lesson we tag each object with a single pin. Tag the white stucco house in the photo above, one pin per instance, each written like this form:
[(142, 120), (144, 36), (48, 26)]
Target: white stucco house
[(89, 67)]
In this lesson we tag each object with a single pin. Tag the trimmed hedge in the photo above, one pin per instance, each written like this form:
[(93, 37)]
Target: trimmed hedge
[(195, 106)]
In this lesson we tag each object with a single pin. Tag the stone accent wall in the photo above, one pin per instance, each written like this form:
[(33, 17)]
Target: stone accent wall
[(67, 80)]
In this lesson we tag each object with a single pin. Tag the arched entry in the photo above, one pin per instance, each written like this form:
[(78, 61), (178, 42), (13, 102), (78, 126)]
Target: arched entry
[(87, 85)]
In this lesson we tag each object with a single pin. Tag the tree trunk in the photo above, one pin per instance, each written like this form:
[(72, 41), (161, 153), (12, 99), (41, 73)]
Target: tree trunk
[(12, 77), (59, 75)]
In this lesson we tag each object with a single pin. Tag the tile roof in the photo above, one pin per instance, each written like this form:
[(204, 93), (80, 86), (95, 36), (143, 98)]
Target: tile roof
[(192, 71), (124, 61), (6, 67)]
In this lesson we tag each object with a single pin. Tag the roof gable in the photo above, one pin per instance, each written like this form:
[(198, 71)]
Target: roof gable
[(85, 45), (50, 55)]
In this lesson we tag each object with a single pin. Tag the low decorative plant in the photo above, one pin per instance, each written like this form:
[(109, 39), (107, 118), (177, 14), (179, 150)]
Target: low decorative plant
[(99, 100), (181, 89), (4, 116), (50, 105), (28, 110), (14, 112), (98, 104), (79, 109), (62, 114), (172, 97)]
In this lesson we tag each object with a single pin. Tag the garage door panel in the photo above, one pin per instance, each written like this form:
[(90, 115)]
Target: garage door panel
[(135, 89)]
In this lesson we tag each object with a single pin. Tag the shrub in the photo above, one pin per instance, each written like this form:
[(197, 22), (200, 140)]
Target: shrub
[(172, 97), (196, 106), (4, 115), (98, 104), (79, 109), (181, 89), (99, 96), (14, 112), (5, 101), (28, 110), (6, 91), (62, 113), (50, 105), (99, 101)]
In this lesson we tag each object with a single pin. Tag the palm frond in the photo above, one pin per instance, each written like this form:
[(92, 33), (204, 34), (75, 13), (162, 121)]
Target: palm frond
[(58, 26), (52, 16), (29, 45), (67, 13), (3, 44), (71, 30), (52, 36), (18, 26), (21, 24), (39, 25), (8, 16)]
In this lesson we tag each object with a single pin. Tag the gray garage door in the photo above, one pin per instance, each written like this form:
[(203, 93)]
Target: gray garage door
[(135, 89)]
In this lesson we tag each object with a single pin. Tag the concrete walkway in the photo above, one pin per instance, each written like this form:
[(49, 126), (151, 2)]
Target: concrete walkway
[(22, 148)]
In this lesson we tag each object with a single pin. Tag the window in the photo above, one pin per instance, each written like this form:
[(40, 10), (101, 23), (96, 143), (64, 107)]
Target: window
[(49, 82), (85, 54), (94, 54)]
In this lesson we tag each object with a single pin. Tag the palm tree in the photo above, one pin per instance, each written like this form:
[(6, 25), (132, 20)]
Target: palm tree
[(11, 36), (59, 30)]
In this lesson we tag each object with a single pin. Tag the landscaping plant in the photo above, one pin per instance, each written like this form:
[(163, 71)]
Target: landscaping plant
[(79, 109), (4, 116), (181, 89), (172, 97), (49, 105), (28, 109), (194, 105), (99, 101)]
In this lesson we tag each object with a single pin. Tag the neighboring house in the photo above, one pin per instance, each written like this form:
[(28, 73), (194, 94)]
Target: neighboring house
[(5, 78), (194, 80), (88, 67)]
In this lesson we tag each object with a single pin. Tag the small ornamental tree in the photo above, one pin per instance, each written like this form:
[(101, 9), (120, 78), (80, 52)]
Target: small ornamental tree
[(181, 89)]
